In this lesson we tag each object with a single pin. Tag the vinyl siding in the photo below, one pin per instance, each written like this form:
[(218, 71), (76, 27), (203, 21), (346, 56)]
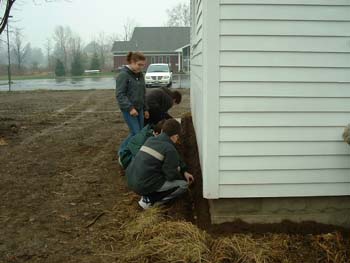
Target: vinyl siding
[(284, 98), (197, 69)]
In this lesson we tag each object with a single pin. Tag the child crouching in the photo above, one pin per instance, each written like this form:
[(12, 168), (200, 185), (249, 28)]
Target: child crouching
[(155, 172)]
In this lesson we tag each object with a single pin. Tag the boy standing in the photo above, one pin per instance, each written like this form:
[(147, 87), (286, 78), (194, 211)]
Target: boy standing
[(155, 173)]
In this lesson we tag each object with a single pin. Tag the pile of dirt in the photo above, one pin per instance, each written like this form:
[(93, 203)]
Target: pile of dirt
[(189, 151)]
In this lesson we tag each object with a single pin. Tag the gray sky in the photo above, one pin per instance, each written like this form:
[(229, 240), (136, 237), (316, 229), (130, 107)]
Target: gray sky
[(38, 18)]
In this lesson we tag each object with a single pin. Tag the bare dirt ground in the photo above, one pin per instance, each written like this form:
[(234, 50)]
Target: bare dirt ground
[(62, 198)]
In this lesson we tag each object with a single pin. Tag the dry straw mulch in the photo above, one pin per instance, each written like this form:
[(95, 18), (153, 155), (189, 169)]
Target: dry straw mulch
[(153, 237)]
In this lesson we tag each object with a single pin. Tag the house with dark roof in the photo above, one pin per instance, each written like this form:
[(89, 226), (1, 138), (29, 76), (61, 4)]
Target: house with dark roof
[(169, 45)]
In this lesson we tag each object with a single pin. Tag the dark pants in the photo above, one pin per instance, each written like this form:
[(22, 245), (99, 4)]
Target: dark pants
[(156, 116), (170, 190)]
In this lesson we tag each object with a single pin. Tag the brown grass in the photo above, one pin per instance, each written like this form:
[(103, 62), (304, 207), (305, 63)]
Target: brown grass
[(154, 237), (332, 247)]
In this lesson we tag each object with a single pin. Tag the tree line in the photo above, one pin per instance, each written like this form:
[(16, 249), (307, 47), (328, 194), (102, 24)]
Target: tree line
[(65, 53)]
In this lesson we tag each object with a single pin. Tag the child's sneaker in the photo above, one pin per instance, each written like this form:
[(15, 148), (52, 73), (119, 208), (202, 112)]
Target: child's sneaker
[(120, 162), (145, 202)]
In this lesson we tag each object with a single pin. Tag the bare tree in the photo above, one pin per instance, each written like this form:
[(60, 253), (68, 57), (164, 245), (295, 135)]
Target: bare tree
[(102, 48), (128, 28), (75, 44), (76, 53), (3, 52), (179, 15), (35, 59), (5, 9), (109, 63), (62, 37), (19, 49), (113, 37), (48, 48)]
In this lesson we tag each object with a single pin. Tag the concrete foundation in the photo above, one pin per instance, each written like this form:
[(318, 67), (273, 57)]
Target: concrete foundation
[(326, 210)]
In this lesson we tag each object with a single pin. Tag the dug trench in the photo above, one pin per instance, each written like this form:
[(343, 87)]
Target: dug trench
[(201, 214)]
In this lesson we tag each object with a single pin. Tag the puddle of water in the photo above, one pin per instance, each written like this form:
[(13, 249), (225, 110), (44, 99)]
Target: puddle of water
[(179, 81)]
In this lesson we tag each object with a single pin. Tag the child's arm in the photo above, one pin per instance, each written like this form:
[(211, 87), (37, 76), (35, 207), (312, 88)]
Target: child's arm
[(170, 166), (183, 166), (121, 92)]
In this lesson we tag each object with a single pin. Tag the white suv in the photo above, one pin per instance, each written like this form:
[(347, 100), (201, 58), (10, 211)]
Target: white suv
[(158, 75)]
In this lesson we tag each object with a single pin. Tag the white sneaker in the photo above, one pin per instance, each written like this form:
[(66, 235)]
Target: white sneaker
[(145, 203), (120, 162)]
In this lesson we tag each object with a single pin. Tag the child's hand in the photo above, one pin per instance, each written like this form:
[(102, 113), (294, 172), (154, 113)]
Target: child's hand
[(189, 177), (133, 112)]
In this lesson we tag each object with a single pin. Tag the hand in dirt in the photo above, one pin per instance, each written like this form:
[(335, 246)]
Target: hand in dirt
[(189, 178), (146, 114), (134, 112)]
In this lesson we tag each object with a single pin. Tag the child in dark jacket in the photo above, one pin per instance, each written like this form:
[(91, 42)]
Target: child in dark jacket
[(159, 101), (155, 172), (130, 94), (136, 142)]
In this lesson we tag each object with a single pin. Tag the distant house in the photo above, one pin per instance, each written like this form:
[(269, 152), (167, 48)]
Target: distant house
[(270, 96), (169, 45)]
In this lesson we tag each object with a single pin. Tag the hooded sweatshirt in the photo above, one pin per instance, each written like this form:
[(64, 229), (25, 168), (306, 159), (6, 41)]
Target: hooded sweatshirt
[(159, 99), (130, 90)]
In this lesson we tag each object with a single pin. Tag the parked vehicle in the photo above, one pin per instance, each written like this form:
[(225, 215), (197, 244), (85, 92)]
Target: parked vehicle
[(158, 75)]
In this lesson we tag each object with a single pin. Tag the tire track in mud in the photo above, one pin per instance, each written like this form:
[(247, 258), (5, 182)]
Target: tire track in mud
[(74, 116), (81, 102)]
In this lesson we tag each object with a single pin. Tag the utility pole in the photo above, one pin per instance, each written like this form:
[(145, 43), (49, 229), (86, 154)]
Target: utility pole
[(8, 55)]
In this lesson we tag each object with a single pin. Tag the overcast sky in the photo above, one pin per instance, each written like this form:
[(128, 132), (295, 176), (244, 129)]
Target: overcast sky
[(38, 18)]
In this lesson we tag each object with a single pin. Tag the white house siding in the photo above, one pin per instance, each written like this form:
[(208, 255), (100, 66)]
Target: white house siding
[(197, 69), (284, 98), (205, 90)]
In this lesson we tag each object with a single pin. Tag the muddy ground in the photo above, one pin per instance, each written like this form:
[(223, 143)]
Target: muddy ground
[(61, 196), (63, 199)]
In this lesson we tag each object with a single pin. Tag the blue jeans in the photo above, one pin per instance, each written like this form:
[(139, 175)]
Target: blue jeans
[(135, 125)]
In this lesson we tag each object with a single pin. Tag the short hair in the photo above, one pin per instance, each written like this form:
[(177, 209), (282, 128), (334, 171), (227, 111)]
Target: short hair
[(171, 127), (158, 127), (135, 57), (177, 96)]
